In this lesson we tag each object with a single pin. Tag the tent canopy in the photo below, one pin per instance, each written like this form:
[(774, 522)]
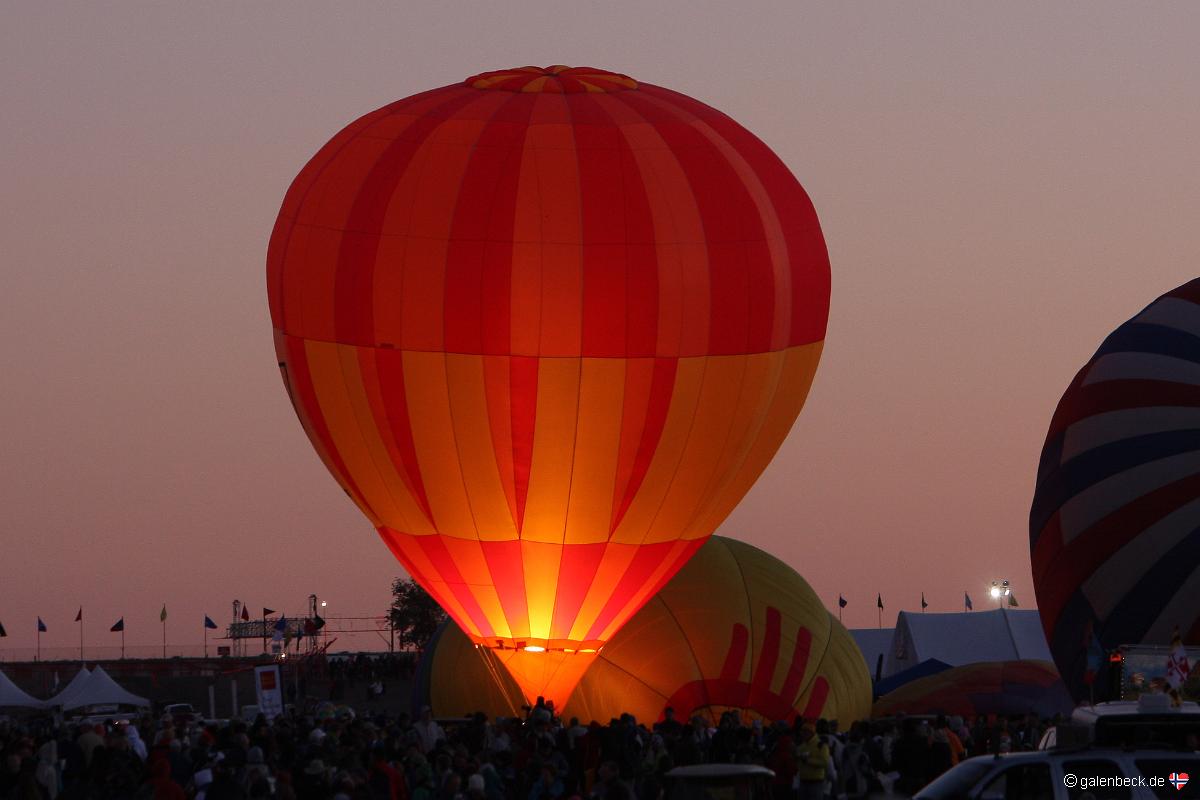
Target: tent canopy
[(874, 642), (11, 695), (965, 638), (95, 689), (72, 686)]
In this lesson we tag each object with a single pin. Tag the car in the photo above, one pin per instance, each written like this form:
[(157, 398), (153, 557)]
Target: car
[(1153, 720), (107, 718), (719, 782), (183, 714), (1070, 774)]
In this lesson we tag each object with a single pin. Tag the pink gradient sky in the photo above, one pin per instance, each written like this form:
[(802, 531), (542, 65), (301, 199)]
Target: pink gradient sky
[(999, 185)]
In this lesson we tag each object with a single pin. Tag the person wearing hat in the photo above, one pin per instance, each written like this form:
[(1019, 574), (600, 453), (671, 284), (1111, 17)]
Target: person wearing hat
[(812, 760)]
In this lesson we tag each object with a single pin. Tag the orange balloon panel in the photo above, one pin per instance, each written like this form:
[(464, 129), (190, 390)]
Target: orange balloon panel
[(546, 327)]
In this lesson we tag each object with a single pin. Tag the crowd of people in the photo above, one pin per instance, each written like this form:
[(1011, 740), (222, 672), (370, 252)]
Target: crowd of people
[(538, 757)]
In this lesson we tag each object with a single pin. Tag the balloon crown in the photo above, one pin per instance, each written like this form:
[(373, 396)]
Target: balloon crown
[(556, 79)]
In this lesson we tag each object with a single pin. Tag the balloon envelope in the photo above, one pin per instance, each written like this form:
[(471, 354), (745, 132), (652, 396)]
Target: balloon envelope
[(736, 628), (1115, 522), (993, 687), (546, 327)]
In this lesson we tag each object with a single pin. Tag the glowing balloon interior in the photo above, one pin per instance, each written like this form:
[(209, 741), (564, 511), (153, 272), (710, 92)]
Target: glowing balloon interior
[(546, 327)]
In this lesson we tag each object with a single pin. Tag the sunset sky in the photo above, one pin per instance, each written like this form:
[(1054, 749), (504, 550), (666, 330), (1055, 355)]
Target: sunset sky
[(999, 185)]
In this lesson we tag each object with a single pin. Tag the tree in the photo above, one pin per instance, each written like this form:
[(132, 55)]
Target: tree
[(414, 615)]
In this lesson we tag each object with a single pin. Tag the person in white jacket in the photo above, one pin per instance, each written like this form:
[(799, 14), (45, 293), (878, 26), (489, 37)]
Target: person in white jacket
[(47, 768), (135, 741), (428, 731)]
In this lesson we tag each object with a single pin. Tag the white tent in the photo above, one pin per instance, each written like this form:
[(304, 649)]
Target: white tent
[(73, 686), (11, 695), (873, 642), (99, 689), (966, 637)]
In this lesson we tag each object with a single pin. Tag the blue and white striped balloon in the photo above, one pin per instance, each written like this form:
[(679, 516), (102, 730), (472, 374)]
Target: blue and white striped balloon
[(1115, 524)]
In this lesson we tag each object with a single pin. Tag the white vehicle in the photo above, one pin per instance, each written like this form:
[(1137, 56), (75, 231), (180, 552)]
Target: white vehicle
[(182, 714), (1092, 773), (1150, 721)]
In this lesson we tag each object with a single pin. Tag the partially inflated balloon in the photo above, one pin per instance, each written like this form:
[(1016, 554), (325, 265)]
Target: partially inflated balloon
[(1115, 523), (1005, 688), (736, 628), (546, 327)]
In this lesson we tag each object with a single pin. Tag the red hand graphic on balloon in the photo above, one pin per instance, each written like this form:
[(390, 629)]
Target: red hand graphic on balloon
[(756, 695)]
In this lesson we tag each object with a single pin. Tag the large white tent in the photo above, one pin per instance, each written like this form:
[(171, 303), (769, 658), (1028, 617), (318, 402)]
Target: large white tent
[(96, 689), (11, 695), (967, 637)]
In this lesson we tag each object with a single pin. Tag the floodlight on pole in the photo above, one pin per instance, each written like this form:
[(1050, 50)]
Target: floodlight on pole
[(1000, 590)]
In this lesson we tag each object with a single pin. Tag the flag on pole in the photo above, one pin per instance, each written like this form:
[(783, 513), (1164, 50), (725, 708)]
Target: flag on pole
[(118, 626), (245, 614), (208, 623), (967, 602), (162, 617), (924, 605), (1012, 600), (3, 632), (879, 601), (268, 611), (841, 601), (41, 626), (280, 628), (1178, 669), (79, 615)]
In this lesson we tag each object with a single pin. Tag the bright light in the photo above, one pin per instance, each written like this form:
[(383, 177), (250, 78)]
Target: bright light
[(995, 591), (323, 604), (533, 648)]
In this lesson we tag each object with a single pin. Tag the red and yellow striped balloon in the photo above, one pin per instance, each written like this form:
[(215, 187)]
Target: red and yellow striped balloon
[(546, 327)]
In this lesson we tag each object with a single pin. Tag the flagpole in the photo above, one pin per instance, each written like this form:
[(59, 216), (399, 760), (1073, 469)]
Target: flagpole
[(81, 634), (122, 638), (164, 626), (39, 641), (206, 641)]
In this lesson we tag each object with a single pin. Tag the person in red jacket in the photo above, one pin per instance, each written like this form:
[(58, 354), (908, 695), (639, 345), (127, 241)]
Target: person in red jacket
[(164, 787), (384, 775)]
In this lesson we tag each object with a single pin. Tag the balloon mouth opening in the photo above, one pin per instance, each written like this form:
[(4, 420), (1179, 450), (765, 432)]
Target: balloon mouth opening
[(538, 645)]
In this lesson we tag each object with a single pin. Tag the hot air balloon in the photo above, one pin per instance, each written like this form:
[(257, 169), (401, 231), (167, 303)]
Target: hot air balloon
[(1115, 521), (1005, 688), (736, 628), (546, 327)]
